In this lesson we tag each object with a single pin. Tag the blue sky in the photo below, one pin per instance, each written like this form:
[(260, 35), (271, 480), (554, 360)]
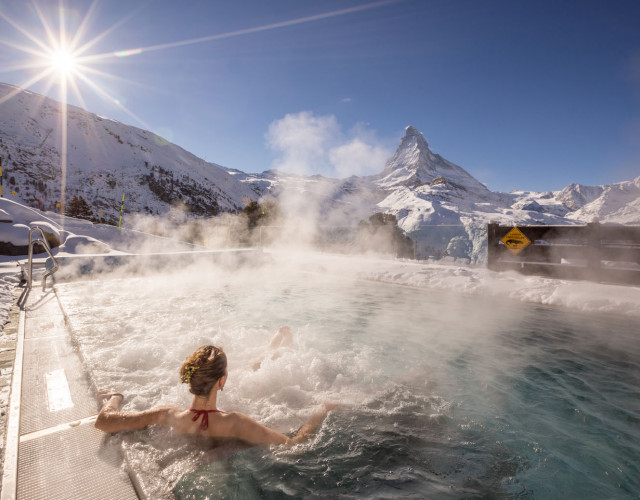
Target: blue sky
[(522, 94)]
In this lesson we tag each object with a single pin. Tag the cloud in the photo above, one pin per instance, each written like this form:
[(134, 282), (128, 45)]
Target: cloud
[(302, 140), (356, 157), (308, 144)]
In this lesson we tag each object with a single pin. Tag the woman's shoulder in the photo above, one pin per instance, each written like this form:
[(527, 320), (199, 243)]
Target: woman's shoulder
[(165, 415), (227, 422), (240, 426), (234, 417)]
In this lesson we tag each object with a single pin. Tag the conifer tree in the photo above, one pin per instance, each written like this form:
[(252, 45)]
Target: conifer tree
[(78, 207)]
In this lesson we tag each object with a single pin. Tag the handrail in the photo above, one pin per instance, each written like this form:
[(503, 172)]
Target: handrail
[(45, 243)]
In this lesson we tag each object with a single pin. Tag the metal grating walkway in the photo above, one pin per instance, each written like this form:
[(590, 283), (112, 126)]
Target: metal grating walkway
[(53, 450)]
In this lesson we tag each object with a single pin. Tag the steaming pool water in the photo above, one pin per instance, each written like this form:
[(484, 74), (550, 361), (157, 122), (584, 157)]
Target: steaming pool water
[(444, 396)]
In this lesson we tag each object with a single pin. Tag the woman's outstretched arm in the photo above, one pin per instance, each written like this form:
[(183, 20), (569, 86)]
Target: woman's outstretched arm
[(247, 429), (311, 427), (110, 419)]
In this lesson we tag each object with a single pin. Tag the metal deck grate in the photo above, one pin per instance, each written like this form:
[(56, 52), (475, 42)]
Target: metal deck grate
[(43, 305), (44, 356), (72, 464), (45, 326), (54, 456)]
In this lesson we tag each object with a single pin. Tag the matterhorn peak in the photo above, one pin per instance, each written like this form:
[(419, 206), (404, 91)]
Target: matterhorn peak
[(412, 152), (413, 164), (411, 131), (414, 138)]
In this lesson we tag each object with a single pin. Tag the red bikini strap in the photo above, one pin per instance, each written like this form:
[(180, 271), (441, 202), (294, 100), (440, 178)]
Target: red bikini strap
[(204, 425)]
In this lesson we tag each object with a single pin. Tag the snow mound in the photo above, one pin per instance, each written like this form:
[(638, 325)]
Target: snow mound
[(15, 234), (84, 245), (46, 227)]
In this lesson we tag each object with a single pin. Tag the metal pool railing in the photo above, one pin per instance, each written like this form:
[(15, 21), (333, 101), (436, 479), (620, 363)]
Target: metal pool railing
[(45, 244)]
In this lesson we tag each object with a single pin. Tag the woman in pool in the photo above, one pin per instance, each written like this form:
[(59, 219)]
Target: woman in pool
[(205, 370)]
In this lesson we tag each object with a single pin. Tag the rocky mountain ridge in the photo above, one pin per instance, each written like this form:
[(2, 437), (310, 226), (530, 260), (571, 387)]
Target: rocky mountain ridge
[(105, 159), (437, 203)]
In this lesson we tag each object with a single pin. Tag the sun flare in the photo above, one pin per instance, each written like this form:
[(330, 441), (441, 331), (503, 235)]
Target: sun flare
[(59, 52), (63, 62)]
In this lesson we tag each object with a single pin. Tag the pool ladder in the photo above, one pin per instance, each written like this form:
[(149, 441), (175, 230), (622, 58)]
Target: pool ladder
[(45, 244)]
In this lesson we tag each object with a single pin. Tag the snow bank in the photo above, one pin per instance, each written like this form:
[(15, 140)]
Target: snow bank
[(20, 213), (16, 234), (446, 275), (25, 218), (452, 276), (84, 245)]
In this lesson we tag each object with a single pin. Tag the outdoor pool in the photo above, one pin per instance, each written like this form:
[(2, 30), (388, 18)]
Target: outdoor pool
[(445, 396)]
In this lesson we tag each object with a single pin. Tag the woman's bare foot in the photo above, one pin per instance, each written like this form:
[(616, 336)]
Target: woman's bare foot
[(282, 338)]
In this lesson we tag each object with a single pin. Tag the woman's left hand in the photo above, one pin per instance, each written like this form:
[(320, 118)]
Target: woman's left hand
[(108, 394)]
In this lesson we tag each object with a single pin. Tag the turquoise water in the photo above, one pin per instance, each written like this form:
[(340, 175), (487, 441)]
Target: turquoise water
[(444, 396)]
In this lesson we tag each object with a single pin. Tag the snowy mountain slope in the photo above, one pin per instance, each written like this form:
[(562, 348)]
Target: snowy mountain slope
[(575, 196), (437, 203), (106, 159), (617, 203), (326, 201)]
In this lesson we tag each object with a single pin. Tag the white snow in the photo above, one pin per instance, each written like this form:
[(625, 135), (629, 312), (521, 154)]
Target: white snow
[(423, 190), (16, 234), (617, 203), (106, 159), (450, 275), (434, 200), (8, 284), (75, 244), (447, 275)]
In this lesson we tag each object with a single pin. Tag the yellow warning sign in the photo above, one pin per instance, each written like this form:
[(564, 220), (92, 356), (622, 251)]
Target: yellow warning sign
[(515, 240)]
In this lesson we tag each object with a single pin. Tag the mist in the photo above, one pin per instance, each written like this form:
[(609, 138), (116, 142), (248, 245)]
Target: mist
[(409, 364), (426, 358)]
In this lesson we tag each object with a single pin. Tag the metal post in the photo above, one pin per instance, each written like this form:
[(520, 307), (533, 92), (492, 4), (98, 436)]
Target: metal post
[(594, 254), (492, 246), (30, 261), (1, 186), (121, 210)]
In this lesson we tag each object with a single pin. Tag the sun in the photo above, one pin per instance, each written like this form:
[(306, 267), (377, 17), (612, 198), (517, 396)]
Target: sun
[(60, 53), (63, 62)]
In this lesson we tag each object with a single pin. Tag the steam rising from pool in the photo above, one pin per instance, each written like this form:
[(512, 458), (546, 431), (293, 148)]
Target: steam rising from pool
[(443, 395)]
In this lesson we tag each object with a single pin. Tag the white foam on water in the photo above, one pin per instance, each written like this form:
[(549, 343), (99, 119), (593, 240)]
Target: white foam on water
[(460, 367), (135, 333), (348, 341)]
